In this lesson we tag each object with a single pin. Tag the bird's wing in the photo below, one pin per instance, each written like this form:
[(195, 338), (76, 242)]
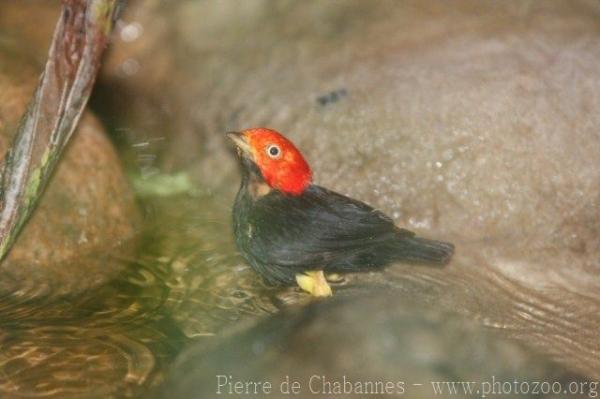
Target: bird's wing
[(317, 228)]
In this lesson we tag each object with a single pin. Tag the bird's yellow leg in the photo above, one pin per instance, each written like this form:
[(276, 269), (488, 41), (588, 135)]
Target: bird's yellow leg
[(334, 278), (314, 283)]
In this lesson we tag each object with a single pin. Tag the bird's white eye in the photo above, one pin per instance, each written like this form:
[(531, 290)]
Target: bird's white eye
[(274, 151)]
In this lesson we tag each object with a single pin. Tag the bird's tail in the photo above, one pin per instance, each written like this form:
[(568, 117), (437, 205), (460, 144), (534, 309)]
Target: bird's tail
[(422, 250)]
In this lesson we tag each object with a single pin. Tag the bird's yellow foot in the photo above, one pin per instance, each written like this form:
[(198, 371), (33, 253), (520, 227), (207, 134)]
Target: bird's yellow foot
[(334, 278), (314, 283)]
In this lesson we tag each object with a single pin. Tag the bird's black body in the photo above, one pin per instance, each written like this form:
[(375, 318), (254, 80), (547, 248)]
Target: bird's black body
[(282, 235)]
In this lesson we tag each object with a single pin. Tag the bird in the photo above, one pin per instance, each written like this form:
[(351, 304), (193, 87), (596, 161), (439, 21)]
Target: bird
[(291, 231)]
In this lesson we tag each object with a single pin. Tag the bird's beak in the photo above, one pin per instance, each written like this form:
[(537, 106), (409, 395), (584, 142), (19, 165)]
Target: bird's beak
[(241, 142)]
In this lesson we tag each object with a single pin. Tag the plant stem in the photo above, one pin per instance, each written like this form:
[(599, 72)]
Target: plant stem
[(80, 37)]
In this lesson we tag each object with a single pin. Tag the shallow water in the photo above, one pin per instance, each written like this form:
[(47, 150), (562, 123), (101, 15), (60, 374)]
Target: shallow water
[(114, 341), (188, 287)]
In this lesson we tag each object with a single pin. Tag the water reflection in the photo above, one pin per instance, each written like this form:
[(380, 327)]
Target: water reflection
[(210, 285), (115, 340)]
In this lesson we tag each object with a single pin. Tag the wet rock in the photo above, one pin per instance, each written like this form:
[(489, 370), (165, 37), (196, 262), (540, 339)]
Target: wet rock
[(354, 344), (86, 210), (437, 104)]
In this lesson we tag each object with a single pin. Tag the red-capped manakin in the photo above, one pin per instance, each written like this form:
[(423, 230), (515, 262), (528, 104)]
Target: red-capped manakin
[(289, 229)]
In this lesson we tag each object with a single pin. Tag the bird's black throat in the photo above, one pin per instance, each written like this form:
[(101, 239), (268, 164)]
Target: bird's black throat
[(253, 183)]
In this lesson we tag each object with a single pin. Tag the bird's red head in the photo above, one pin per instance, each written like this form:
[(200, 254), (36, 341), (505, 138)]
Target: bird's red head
[(281, 164)]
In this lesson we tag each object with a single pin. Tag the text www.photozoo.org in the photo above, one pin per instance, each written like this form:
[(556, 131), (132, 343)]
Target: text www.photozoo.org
[(322, 386)]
